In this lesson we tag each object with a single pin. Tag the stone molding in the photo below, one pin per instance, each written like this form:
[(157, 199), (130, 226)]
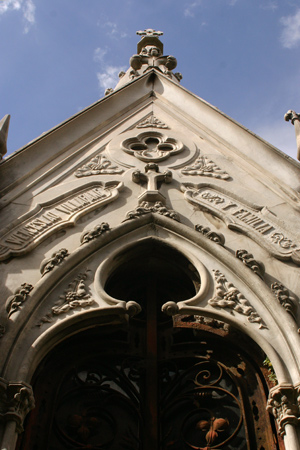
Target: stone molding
[(16, 400), (284, 404)]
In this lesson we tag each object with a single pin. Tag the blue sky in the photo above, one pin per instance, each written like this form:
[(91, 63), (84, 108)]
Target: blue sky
[(58, 56)]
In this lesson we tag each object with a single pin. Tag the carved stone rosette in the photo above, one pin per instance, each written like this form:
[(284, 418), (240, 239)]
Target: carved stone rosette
[(16, 400), (228, 296), (284, 404)]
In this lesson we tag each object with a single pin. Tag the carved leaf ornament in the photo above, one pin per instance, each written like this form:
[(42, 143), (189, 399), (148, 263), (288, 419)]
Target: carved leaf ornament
[(228, 296)]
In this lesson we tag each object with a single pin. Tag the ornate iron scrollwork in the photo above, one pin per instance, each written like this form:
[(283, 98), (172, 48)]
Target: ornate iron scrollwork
[(201, 409)]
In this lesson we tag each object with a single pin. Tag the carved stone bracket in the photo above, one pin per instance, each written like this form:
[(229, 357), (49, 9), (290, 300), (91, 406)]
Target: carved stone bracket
[(218, 238), (152, 122), (76, 296), (249, 261), (203, 166), (98, 230), (228, 296), (146, 208), (283, 296), (98, 165), (16, 400), (15, 301), (56, 259), (284, 404)]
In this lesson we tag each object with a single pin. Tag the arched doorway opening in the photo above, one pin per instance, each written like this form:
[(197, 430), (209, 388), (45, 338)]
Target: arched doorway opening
[(155, 383)]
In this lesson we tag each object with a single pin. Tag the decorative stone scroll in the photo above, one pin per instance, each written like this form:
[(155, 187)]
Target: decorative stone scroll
[(228, 296), (98, 165), (218, 238), (98, 230), (14, 302), (283, 296), (56, 259), (16, 399), (152, 122), (146, 208), (249, 261), (284, 404), (76, 296), (48, 218), (203, 166), (251, 221), (152, 146)]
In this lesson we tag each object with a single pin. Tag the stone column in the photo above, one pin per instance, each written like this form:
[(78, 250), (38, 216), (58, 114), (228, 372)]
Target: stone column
[(16, 400), (284, 404)]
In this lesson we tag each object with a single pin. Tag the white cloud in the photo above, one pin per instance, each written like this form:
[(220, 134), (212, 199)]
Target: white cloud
[(269, 5), (26, 7), (99, 54), (290, 36), (29, 14), (190, 9), (112, 29), (108, 78)]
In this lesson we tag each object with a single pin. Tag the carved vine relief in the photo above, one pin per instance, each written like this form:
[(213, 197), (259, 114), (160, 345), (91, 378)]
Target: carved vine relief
[(203, 166), (75, 296), (98, 165), (228, 296)]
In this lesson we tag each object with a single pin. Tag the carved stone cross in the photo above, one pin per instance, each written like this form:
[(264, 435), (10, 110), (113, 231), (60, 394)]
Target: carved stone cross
[(152, 177), (149, 32)]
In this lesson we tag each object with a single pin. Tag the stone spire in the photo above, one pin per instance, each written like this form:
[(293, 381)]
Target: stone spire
[(149, 56), (295, 119)]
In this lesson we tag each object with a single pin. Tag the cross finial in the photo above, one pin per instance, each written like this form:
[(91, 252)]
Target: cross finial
[(149, 32)]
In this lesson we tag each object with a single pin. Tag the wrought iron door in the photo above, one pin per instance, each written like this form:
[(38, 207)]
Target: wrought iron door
[(155, 383)]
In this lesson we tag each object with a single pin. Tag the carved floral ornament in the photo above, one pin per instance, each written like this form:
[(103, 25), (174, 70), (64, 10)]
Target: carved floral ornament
[(152, 146)]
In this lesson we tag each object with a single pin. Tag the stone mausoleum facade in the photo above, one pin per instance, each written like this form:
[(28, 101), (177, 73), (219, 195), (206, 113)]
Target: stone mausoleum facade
[(150, 253)]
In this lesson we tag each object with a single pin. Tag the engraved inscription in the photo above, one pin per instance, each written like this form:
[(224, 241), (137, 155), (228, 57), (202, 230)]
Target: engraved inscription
[(246, 220), (47, 219)]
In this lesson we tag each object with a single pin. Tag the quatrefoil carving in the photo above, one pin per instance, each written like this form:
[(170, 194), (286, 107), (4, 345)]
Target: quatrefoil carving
[(152, 146)]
